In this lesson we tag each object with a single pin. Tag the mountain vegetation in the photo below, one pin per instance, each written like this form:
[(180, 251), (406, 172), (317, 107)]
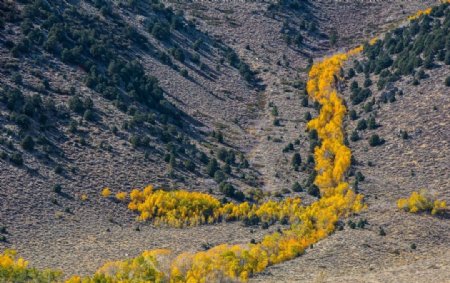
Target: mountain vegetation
[(276, 138)]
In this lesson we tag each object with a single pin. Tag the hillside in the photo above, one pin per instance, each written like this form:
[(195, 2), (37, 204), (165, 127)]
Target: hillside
[(210, 97)]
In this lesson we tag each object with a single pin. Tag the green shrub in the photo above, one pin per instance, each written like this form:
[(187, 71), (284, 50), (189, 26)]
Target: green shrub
[(227, 169), (17, 78), (288, 147), (222, 154), (212, 167), (89, 115), (305, 101), (447, 81), (76, 104), (160, 31), (296, 187), (359, 177), (447, 58), (276, 122), (58, 169), (274, 111), (296, 159), (3, 155), (57, 188), (367, 82), (362, 125), (189, 165), (219, 176), (307, 116), (27, 143), (353, 115), (351, 73), (375, 140), (371, 123), (404, 135), (227, 189), (351, 224), (354, 136), (16, 159), (314, 191)]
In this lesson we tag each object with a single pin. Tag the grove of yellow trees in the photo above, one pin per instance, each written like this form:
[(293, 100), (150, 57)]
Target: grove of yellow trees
[(332, 156), (422, 201), (183, 208)]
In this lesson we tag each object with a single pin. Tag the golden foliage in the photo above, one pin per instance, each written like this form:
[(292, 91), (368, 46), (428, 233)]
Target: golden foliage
[(422, 201), (15, 269), (332, 157), (182, 208), (9, 259), (106, 192), (121, 196), (238, 262), (176, 208), (419, 14)]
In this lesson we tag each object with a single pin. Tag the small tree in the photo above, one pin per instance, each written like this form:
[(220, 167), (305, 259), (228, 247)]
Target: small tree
[(296, 159), (362, 125), (313, 135), (354, 137), (227, 189), (27, 143), (212, 167), (76, 104), (314, 191), (333, 38), (359, 176), (367, 82), (88, 115), (447, 81), (219, 176), (296, 187), (227, 168), (371, 123), (375, 140), (57, 188), (351, 73), (404, 134), (189, 165), (308, 116), (276, 122), (353, 115), (16, 159), (222, 154), (220, 137), (305, 101)]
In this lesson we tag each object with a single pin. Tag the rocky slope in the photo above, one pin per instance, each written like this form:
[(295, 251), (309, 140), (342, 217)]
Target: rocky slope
[(258, 116)]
